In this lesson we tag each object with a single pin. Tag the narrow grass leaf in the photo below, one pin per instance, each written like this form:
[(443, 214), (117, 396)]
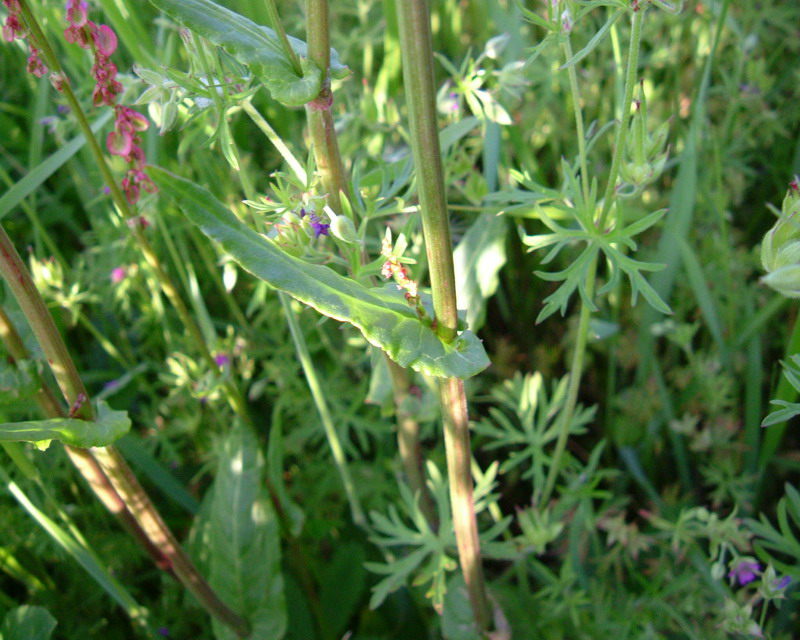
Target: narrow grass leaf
[(42, 172), (381, 314), (86, 558)]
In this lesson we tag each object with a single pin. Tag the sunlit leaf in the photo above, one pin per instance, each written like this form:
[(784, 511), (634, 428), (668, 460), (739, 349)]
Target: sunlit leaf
[(255, 46), (243, 535), (108, 427), (381, 314)]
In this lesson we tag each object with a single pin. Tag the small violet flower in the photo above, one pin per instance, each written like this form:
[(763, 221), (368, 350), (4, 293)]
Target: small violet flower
[(744, 572), (320, 228), (222, 360)]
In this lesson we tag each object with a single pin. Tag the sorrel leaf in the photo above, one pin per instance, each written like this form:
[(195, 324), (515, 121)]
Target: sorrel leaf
[(108, 427), (381, 314), (256, 47), (245, 546)]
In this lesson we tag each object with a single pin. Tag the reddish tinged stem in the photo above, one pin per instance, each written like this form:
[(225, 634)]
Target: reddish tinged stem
[(318, 112), (112, 465), (409, 444), (417, 55)]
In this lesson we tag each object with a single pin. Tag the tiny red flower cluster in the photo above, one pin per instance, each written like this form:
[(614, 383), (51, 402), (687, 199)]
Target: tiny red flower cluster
[(13, 28), (397, 271), (103, 42), (124, 140)]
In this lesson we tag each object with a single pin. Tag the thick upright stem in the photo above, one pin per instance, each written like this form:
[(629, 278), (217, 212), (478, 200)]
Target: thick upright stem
[(334, 177), (462, 504), (417, 53), (19, 280), (318, 112), (409, 444), (234, 395), (420, 90), (113, 468)]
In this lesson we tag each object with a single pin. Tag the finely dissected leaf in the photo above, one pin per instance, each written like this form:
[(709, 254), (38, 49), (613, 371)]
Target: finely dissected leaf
[(255, 46), (108, 427), (27, 623), (478, 259), (381, 314), (245, 546)]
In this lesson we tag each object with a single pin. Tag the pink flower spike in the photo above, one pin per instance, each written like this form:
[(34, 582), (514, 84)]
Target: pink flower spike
[(119, 144), (106, 40)]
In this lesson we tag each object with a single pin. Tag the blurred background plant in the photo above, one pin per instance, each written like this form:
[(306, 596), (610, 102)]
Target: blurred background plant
[(674, 512)]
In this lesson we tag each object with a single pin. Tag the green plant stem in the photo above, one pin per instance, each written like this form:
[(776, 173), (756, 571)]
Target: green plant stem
[(409, 444), (579, 129), (417, 54), (329, 163), (458, 450), (113, 466), (235, 397), (82, 459), (318, 112), (19, 280), (324, 413), (622, 132), (575, 373), (131, 492), (275, 139), (277, 25)]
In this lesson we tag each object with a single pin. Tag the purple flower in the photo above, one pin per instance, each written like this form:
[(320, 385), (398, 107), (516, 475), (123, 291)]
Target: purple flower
[(782, 583), (222, 360), (745, 572), (163, 631), (320, 228)]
